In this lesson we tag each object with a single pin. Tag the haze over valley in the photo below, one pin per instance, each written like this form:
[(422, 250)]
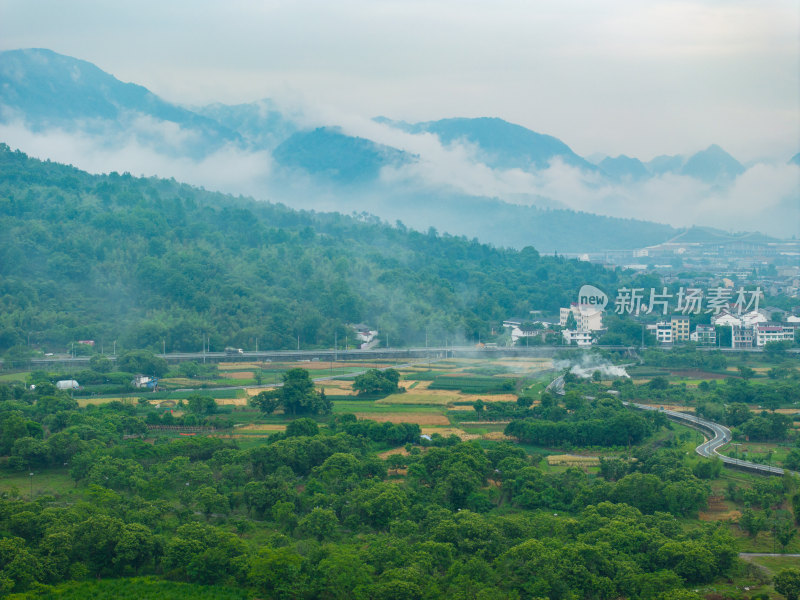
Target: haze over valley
[(480, 177)]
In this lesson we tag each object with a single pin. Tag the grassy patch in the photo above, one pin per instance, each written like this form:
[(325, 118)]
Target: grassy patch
[(135, 588), (21, 377), (473, 385), (48, 481), (776, 564), (420, 399), (352, 406)]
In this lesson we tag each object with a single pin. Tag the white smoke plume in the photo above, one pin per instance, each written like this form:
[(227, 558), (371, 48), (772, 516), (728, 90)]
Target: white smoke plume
[(587, 365)]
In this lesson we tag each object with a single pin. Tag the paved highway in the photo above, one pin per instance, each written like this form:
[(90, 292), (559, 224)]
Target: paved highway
[(330, 354), (722, 435)]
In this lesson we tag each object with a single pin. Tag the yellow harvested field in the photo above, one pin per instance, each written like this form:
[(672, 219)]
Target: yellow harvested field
[(442, 397), (489, 397), (780, 411), (179, 381), (570, 460), (262, 427), (237, 374), (730, 516), (717, 510), (496, 436), (337, 388), (238, 366), (338, 383), (444, 431), (401, 451), (231, 401), (255, 391), (421, 385), (448, 431), (418, 418)]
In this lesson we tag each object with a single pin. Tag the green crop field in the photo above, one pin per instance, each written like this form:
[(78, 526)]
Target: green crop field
[(473, 385)]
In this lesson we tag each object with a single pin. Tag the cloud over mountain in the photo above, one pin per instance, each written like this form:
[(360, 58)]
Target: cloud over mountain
[(68, 110)]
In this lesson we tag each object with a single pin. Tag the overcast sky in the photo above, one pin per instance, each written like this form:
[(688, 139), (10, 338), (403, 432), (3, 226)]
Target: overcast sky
[(631, 77)]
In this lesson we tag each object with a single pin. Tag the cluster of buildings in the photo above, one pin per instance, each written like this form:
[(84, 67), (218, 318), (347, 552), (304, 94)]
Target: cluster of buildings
[(579, 324), (677, 330), (582, 324), (753, 329)]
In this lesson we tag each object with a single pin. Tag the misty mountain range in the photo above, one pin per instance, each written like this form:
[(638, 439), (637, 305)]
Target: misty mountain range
[(481, 177)]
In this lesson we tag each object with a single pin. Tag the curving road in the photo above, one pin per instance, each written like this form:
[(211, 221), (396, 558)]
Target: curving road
[(722, 435)]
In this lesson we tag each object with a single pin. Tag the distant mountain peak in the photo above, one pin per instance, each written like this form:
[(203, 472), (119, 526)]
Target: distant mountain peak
[(713, 165), (500, 144), (328, 152), (48, 89), (623, 167)]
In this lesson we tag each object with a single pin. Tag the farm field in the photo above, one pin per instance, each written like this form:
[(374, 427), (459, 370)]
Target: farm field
[(442, 399)]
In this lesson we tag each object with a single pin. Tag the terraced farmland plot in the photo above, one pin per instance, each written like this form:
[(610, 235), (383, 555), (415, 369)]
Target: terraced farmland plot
[(441, 399), (237, 374), (472, 385), (406, 417), (448, 431)]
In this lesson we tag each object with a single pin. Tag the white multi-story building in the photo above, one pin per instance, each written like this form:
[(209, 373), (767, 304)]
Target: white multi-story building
[(705, 335), (753, 318), (725, 319), (587, 317), (520, 330), (772, 332), (580, 338), (741, 336), (664, 332)]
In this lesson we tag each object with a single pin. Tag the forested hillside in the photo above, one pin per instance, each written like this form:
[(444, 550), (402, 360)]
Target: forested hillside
[(149, 261)]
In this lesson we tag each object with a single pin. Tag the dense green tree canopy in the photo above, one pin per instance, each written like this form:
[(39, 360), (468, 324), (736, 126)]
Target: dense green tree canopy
[(154, 264)]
